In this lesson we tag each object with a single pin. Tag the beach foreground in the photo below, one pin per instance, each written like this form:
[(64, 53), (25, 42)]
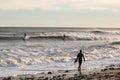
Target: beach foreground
[(109, 73)]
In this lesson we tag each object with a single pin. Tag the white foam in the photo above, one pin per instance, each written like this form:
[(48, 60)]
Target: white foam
[(40, 56)]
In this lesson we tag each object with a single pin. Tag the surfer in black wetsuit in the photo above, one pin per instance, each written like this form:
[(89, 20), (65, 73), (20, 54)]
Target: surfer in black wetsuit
[(64, 37), (25, 38), (79, 59)]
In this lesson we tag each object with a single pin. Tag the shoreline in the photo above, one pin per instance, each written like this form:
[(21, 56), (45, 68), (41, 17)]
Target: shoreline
[(108, 73)]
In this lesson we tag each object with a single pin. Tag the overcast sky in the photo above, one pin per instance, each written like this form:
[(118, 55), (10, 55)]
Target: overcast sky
[(60, 13)]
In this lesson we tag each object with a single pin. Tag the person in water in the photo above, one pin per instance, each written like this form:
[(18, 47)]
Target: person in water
[(79, 59), (25, 38)]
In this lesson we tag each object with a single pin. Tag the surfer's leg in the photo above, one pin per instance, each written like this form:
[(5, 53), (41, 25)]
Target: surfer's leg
[(79, 69)]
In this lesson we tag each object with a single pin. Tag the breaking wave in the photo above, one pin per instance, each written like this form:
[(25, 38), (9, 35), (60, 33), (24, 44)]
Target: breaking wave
[(83, 35), (101, 48)]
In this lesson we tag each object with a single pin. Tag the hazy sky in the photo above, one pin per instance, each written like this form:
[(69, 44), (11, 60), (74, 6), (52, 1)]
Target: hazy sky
[(60, 13)]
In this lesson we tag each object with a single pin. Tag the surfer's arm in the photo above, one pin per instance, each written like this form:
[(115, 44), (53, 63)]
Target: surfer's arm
[(76, 59)]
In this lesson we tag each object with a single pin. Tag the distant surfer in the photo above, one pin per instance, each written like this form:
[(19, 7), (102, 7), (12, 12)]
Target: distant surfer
[(79, 59), (25, 38), (64, 36)]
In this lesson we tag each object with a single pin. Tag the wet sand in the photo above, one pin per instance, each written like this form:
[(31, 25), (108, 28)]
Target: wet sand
[(109, 73)]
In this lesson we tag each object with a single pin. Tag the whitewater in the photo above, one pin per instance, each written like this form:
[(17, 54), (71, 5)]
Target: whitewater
[(56, 49)]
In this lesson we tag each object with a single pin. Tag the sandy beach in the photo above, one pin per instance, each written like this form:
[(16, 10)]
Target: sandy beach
[(109, 73)]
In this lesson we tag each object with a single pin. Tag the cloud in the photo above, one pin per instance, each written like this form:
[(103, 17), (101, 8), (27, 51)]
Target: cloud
[(110, 5), (26, 4)]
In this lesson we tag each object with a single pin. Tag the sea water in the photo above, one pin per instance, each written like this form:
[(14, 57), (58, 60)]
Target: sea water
[(52, 49)]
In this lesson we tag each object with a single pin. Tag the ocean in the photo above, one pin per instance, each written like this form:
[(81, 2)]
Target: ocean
[(52, 49)]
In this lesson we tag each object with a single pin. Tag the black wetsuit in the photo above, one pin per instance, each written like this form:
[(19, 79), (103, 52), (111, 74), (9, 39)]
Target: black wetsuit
[(79, 56)]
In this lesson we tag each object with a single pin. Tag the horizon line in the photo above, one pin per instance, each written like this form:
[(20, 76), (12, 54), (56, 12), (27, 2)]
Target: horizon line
[(55, 27)]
